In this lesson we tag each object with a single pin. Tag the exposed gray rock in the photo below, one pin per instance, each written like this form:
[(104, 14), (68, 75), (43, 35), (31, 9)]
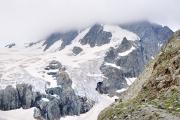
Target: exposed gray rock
[(33, 43), (10, 45), (63, 79), (67, 103), (86, 104), (76, 50), (114, 80), (37, 114), (132, 64), (152, 37), (66, 38), (62, 100), (96, 36), (125, 45), (9, 99), (110, 56), (26, 95), (53, 110), (21, 96), (42, 108)]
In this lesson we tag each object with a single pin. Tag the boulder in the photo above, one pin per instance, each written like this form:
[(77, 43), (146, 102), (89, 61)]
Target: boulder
[(76, 50)]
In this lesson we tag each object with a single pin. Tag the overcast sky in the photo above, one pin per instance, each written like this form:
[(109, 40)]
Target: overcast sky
[(30, 20)]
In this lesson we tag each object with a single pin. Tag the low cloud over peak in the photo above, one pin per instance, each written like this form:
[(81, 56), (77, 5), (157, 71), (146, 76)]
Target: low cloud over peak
[(28, 20)]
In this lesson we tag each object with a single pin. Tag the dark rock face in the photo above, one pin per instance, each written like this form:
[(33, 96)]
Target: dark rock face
[(65, 103), (76, 50), (100, 88), (115, 77), (64, 80), (66, 38), (55, 103), (21, 96), (10, 45), (152, 37), (60, 101), (96, 36), (125, 45), (110, 55), (86, 104), (132, 64), (51, 40), (27, 97), (9, 99)]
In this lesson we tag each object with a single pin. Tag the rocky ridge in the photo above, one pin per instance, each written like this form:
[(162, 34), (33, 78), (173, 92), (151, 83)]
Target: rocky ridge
[(156, 93), (118, 65)]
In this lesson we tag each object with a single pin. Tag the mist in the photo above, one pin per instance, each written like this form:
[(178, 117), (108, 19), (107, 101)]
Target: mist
[(31, 20)]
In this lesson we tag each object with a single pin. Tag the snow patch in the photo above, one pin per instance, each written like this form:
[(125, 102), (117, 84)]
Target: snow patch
[(112, 65), (127, 52), (18, 114), (118, 33), (45, 99), (152, 57), (121, 90), (130, 80)]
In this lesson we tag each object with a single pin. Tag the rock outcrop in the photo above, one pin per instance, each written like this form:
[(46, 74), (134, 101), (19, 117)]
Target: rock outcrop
[(152, 37), (96, 36), (66, 39), (61, 100), (21, 96), (76, 50), (56, 102), (156, 93), (10, 45), (128, 60)]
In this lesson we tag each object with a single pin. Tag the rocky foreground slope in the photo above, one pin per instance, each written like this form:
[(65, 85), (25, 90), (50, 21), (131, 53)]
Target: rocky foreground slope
[(155, 95)]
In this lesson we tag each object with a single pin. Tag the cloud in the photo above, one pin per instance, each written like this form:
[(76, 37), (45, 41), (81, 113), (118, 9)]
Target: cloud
[(29, 20)]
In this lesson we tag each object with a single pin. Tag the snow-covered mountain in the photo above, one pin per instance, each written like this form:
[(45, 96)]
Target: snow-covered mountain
[(99, 59)]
